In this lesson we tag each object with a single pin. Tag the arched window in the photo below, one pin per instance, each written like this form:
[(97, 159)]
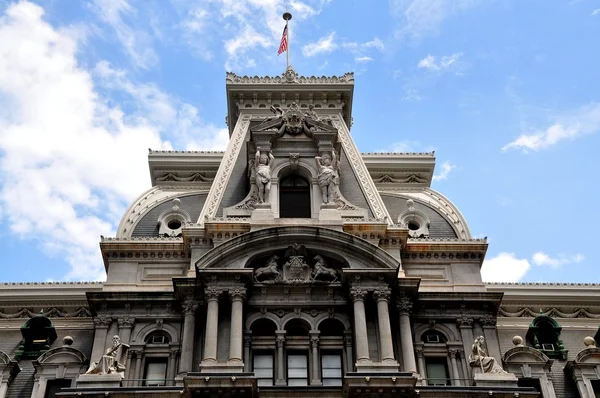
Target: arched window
[(157, 337), (294, 197)]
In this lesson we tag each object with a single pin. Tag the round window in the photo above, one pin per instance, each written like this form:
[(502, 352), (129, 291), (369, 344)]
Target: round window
[(174, 224), (413, 225)]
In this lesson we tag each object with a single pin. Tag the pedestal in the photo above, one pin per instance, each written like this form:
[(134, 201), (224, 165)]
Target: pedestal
[(98, 381), (367, 366), (222, 367), (262, 213), (500, 380), (329, 212)]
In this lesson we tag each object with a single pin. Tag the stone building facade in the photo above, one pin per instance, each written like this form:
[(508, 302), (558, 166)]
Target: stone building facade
[(292, 265)]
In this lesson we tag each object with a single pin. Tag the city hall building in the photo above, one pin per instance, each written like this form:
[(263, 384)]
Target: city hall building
[(293, 265)]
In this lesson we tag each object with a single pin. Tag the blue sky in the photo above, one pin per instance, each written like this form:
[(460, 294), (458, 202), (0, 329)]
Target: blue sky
[(505, 91)]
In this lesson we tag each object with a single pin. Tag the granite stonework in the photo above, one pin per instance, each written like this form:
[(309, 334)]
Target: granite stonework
[(373, 290)]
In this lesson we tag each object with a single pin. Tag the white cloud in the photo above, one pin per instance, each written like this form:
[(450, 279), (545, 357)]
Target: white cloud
[(70, 162), (596, 11), (542, 259), (585, 120), (363, 59), (408, 146), (358, 49), (505, 267), (325, 45), (418, 18), (430, 62), (137, 43), (446, 169)]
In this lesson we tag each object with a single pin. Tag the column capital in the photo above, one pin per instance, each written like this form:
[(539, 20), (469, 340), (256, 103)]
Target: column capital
[(247, 340), (129, 354), (238, 293), (212, 293), (348, 340), (404, 305), (419, 352), (173, 353), (464, 322), (189, 307), (382, 294), (102, 321), (358, 293), (488, 321), (126, 322), (453, 353), (314, 341), (280, 341)]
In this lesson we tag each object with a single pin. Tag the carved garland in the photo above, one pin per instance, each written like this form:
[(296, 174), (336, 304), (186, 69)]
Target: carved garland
[(81, 312), (552, 312), (217, 189), (360, 169)]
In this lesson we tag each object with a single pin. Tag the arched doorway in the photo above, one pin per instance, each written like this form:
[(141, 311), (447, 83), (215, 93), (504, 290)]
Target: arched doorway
[(294, 197)]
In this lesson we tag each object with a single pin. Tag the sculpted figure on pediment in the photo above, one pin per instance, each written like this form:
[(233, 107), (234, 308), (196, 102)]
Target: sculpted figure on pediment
[(270, 272), (480, 361), (113, 361), (322, 272)]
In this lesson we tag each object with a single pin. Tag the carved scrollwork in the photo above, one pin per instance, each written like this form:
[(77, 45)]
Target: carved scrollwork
[(239, 293), (382, 294), (464, 321), (189, 307), (488, 321), (358, 294), (126, 322), (102, 321)]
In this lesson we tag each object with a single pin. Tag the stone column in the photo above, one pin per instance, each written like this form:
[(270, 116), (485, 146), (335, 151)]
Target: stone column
[(465, 325), (404, 306), (491, 337), (101, 324), (314, 345), (237, 329), (280, 379), (348, 346), (452, 353), (187, 343), (212, 324), (128, 370), (171, 371), (360, 325), (422, 370), (247, 344), (382, 295), (138, 366), (125, 325)]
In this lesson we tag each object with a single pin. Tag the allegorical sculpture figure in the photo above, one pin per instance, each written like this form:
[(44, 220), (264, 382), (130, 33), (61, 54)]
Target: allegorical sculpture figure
[(112, 361), (329, 176), (269, 271), (322, 271), (262, 166), (479, 359)]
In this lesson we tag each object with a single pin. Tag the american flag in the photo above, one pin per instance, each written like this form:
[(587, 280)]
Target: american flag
[(284, 41)]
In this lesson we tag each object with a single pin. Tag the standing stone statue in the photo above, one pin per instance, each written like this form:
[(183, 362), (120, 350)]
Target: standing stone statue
[(479, 359), (329, 176), (112, 361), (262, 165)]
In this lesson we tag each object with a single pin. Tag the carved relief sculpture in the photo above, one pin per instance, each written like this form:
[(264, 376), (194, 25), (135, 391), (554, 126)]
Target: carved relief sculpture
[(322, 272), (329, 177), (113, 361), (270, 271), (480, 361), (262, 164)]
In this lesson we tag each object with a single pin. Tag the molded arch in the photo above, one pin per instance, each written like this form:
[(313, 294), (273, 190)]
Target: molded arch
[(143, 333), (147, 201), (526, 354), (62, 355), (540, 319), (303, 169), (4, 359), (440, 204), (339, 317), (588, 355), (259, 315), (303, 316), (440, 327), (357, 252)]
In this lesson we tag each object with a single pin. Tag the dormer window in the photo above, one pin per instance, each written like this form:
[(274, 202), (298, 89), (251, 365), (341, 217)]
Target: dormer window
[(544, 334), (415, 220), (170, 222)]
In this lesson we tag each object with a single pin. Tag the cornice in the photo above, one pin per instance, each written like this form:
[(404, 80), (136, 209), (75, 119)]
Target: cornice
[(398, 154), (232, 78)]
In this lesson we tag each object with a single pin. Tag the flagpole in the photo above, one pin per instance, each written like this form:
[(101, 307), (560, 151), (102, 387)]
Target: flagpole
[(287, 16)]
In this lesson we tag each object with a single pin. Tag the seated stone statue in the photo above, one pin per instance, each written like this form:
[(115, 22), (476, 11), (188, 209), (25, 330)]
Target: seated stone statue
[(479, 359), (112, 361)]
